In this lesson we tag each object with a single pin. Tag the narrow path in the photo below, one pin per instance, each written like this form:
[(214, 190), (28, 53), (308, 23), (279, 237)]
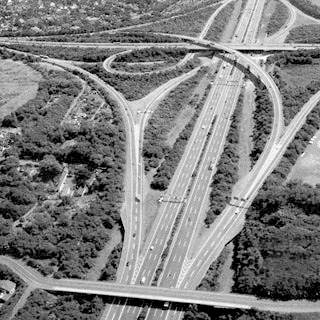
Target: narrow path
[(74, 102), (21, 301)]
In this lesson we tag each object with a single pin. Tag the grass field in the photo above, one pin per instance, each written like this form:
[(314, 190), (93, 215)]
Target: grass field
[(307, 168), (302, 75), (190, 24), (316, 2), (19, 84)]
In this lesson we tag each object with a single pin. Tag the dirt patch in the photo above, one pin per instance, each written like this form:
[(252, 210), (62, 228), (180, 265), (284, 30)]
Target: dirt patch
[(245, 142), (150, 203), (19, 84), (181, 122), (100, 262), (50, 66), (233, 22), (307, 167), (225, 279), (267, 13)]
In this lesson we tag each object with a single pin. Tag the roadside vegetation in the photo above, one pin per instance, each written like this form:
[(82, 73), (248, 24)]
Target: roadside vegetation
[(210, 280), (222, 183), (174, 154), (217, 28), (196, 312), (278, 18), (135, 87), (297, 77), (262, 117), (163, 119), (307, 7), (181, 24), (118, 37), (304, 34), (149, 59), (65, 53), (8, 306), (109, 272), (68, 222), (275, 252), (51, 305)]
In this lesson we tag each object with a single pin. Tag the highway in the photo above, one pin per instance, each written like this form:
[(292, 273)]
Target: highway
[(192, 219), (179, 264), (155, 293), (186, 264)]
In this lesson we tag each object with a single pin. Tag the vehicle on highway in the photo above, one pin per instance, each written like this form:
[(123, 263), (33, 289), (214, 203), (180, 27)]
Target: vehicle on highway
[(143, 280), (211, 165)]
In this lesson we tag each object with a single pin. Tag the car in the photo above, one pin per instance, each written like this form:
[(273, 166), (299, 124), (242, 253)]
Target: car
[(151, 248), (127, 264), (143, 280), (203, 127), (134, 235)]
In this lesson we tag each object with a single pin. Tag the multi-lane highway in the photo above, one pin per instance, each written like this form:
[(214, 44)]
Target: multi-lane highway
[(187, 263)]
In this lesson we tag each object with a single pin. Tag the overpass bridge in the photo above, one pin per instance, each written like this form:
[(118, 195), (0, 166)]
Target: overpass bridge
[(220, 300), (272, 47), (184, 42)]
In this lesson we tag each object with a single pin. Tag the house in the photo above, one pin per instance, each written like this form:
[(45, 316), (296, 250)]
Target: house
[(7, 289)]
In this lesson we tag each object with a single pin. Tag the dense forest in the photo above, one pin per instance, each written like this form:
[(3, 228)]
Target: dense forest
[(122, 37), (277, 252), (51, 305), (263, 118), (63, 239)]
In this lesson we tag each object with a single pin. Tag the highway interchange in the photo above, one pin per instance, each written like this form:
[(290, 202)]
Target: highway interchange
[(186, 264)]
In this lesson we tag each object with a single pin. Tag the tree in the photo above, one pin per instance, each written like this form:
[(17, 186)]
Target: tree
[(49, 168), (81, 175)]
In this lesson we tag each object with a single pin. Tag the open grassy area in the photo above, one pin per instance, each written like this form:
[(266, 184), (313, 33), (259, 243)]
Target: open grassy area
[(304, 34), (190, 24), (301, 75), (19, 84)]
